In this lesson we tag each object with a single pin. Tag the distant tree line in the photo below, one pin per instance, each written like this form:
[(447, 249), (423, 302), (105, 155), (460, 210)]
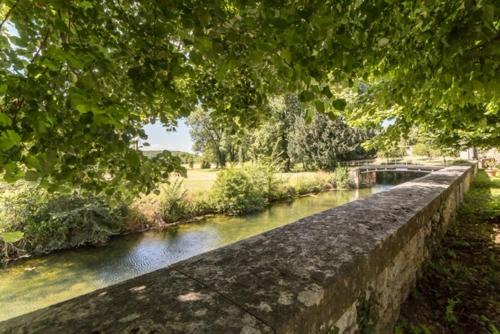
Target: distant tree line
[(291, 136), (185, 157)]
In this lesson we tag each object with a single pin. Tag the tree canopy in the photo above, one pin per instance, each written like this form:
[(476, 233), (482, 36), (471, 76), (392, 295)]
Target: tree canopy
[(286, 138), (78, 79)]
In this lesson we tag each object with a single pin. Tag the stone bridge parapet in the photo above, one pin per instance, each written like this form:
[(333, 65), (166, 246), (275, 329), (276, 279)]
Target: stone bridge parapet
[(366, 176)]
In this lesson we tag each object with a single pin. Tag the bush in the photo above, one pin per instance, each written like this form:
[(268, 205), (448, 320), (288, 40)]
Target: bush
[(340, 178), (244, 189), (421, 150), (307, 185), (205, 164), (71, 221), (134, 220), (281, 191), (264, 176), (174, 203), (18, 202), (60, 221)]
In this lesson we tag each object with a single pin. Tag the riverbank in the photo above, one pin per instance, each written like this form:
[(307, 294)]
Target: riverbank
[(457, 291), (234, 191), (47, 225)]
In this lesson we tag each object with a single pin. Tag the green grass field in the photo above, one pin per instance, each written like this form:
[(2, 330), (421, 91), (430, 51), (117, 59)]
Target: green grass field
[(199, 181)]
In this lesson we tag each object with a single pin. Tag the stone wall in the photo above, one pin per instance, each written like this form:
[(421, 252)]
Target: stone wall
[(365, 176), (338, 271), (361, 180)]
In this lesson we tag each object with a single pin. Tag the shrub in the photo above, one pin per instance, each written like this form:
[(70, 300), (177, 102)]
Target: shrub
[(61, 221), (71, 221), (205, 164), (421, 150), (340, 178), (18, 202), (307, 185), (134, 220), (264, 176), (242, 190), (281, 191), (201, 206), (174, 203)]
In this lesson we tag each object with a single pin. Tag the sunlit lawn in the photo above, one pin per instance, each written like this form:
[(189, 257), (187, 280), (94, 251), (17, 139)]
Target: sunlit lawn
[(201, 180)]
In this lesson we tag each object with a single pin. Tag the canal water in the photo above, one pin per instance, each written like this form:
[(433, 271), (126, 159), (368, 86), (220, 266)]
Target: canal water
[(31, 284)]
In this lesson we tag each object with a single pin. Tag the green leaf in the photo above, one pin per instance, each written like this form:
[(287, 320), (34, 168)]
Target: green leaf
[(306, 96), (332, 115), (31, 176), (5, 120), (32, 161), (309, 115), (339, 104), (79, 102), (11, 237), (286, 55), (9, 139), (205, 44), (383, 41), (132, 158), (320, 106), (12, 172), (327, 92), (84, 4)]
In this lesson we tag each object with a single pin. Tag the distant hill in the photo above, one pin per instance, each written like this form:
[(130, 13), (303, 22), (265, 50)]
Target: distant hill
[(185, 156)]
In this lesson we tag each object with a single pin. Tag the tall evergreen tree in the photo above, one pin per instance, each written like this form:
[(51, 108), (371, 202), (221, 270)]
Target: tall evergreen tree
[(324, 142)]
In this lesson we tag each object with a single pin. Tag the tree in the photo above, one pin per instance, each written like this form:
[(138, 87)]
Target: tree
[(220, 142), (392, 151), (324, 142), (421, 149), (271, 139), (78, 79), (207, 136)]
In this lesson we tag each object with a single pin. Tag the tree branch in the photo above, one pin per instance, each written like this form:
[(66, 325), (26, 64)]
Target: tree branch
[(19, 103), (8, 14), (480, 45), (40, 47)]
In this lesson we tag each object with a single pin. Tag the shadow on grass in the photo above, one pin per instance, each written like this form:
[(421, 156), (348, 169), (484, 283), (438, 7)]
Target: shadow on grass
[(458, 290)]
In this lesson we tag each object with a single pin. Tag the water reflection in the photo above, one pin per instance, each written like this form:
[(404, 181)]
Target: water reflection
[(35, 283)]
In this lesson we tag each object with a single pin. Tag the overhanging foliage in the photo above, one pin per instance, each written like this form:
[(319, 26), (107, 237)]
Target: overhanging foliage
[(78, 79)]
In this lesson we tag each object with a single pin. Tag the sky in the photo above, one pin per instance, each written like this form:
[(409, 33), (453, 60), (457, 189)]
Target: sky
[(161, 139)]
